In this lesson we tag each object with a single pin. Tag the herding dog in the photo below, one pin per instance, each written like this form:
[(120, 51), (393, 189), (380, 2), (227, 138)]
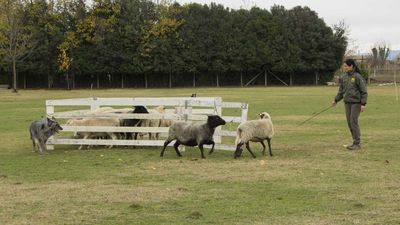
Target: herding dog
[(41, 130)]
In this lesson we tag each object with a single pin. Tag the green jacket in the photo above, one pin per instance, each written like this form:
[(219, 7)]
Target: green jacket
[(352, 89)]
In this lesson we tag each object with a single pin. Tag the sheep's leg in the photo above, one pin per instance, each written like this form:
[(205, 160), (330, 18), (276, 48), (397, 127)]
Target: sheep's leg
[(135, 136), (201, 150), (166, 143), (238, 151), (212, 147), (248, 148), (269, 146), (113, 137), (263, 151), (84, 137), (176, 148)]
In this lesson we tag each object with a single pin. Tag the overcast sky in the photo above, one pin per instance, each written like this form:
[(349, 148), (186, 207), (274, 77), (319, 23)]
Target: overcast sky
[(369, 21)]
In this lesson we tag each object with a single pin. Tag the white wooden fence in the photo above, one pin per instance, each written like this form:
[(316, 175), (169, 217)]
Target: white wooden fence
[(185, 109)]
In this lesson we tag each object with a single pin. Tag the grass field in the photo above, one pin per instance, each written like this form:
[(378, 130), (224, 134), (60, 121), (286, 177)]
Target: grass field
[(311, 179)]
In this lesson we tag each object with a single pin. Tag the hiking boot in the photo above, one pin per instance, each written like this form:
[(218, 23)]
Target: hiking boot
[(354, 147)]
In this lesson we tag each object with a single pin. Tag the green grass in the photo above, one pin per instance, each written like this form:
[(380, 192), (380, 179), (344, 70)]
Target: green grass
[(311, 179)]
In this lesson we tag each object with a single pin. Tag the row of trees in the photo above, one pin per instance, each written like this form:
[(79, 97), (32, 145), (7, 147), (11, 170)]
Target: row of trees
[(69, 40)]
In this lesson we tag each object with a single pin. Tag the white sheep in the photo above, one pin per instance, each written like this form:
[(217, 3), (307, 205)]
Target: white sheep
[(153, 122), (112, 122), (100, 110), (254, 131)]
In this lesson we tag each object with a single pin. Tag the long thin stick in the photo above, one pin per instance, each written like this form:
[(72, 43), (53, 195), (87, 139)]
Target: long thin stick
[(316, 114), (395, 85)]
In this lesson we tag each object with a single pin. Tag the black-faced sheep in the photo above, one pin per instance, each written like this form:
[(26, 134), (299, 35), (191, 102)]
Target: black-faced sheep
[(254, 131), (133, 122), (189, 134)]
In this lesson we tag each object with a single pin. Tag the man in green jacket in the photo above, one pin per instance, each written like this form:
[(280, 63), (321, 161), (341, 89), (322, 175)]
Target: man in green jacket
[(354, 93)]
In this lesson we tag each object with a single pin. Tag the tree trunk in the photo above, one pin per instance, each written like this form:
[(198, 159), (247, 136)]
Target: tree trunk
[(265, 78), (98, 81), (15, 76), (241, 78), (48, 80), (67, 78), (194, 79), (145, 80), (122, 80), (170, 78), (73, 81), (217, 79), (24, 80)]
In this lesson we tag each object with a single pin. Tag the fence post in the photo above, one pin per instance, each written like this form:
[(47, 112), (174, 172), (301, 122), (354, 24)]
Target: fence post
[(218, 110), (49, 111), (245, 108), (93, 104)]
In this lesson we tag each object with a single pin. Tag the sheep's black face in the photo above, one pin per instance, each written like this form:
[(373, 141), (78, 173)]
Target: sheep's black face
[(215, 121), (140, 109)]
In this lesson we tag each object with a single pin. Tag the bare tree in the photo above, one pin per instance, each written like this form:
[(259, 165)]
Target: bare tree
[(380, 53), (15, 38)]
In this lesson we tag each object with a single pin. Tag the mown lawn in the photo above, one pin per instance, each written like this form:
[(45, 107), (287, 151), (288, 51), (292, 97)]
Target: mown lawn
[(311, 179)]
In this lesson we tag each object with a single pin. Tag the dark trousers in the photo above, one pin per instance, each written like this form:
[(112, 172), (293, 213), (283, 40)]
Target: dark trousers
[(352, 113)]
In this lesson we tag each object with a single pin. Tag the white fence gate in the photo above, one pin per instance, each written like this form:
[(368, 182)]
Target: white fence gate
[(183, 109)]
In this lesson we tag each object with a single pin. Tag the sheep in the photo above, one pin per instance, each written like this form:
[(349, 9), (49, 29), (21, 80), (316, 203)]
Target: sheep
[(114, 122), (189, 134), (153, 122), (99, 111), (133, 122), (255, 131)]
